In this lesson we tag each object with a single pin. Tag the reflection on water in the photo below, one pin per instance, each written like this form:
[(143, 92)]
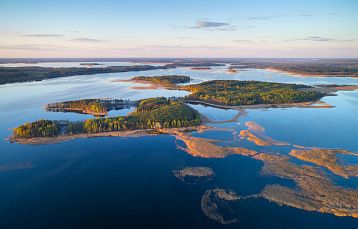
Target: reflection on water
[(117, 181)]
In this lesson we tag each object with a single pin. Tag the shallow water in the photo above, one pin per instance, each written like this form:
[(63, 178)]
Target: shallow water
[(128, 182)]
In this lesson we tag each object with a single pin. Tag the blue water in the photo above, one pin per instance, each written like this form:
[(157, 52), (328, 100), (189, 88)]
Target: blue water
[(128, 182)]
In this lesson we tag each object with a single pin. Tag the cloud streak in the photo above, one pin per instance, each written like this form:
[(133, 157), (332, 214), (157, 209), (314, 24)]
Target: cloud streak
[(36, 47), (319, 39), (88, 40), (209, 24), (213, 25), (41, 35)]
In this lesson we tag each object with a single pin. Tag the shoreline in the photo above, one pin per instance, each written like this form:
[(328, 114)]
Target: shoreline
[(260, 106), (129, 133)]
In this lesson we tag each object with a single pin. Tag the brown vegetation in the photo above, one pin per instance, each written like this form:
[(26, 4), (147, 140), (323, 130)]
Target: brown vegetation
[(327, 158)]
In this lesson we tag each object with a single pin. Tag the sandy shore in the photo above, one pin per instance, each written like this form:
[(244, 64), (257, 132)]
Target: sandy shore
[(64, 138), (132, 133)]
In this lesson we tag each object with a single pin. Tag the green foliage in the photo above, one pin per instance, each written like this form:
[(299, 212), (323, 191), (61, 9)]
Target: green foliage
[(167, 81), (233, 92), (39, 128), (153, 113), (152, 103)]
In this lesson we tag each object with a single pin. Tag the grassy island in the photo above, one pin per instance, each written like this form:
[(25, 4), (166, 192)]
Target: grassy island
[(236, 93), (153, 113), (166, 81), (96, 107)]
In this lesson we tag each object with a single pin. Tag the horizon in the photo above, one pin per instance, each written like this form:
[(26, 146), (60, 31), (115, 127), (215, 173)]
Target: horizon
[(185, 29)]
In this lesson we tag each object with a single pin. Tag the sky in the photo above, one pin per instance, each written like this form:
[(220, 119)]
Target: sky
[(179, 28)]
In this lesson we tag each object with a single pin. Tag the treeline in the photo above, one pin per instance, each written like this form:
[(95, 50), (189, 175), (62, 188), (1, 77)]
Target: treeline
[(168, 80), (25, 74), (154, 113), (39, 128), (234, 93), (334, 67)]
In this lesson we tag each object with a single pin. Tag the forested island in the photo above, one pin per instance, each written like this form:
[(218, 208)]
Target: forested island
[(153, 113), (166, 81), (96, 107), (238, 93)]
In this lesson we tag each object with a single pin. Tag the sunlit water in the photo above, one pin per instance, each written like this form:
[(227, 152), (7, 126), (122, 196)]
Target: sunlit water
[(128, 182)]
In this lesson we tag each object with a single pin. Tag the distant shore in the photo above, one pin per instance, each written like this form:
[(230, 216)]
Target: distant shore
[(303, 74)]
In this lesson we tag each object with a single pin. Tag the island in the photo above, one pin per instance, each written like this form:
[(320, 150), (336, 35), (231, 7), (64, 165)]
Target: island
[(96, 107), (153, 113), (200, 68), (236, 93), (168, 81), (228, 93), (85, 64)]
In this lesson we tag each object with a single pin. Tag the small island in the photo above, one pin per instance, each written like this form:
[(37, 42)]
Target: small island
[(200, 68), (90, 64), (168, 81), (96, 107)]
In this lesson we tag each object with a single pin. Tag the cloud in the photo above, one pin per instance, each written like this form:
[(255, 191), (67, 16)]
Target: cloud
[(209, 24), (244, 41), (86, 39), (41, 35), (319, 39), (259, 18), (180, 47), (262, 18), (213, 25), (37, 47)]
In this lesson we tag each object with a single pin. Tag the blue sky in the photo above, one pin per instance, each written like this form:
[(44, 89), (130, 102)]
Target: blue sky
[(171, 28)]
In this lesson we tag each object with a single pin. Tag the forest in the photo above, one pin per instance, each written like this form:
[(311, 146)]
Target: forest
[(153, 113), (39, 128), (167, 81), (235, 93)]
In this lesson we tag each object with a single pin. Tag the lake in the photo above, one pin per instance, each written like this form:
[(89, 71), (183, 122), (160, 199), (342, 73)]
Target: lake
[(129, 182)]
